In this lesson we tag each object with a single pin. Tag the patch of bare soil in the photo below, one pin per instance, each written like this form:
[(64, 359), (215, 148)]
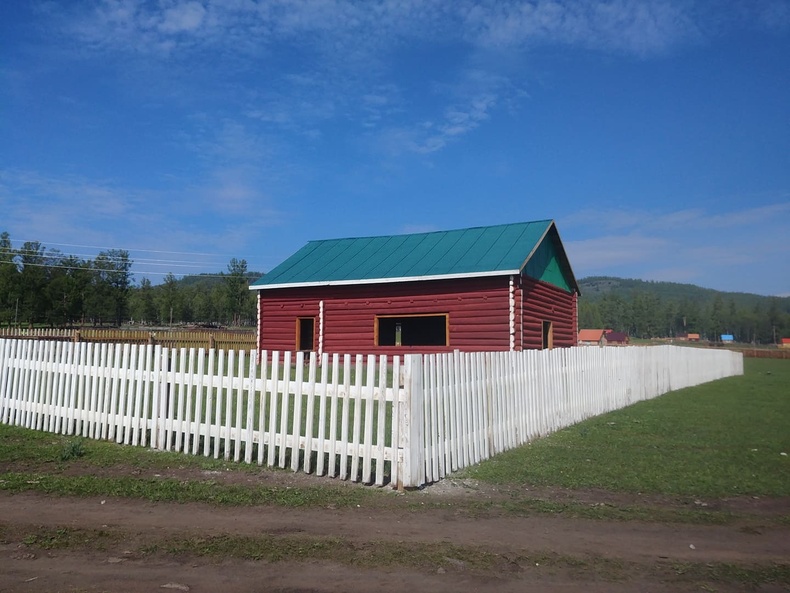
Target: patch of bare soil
[(542, 552)]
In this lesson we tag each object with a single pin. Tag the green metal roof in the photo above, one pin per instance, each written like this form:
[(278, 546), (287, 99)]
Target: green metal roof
[(474, 252)]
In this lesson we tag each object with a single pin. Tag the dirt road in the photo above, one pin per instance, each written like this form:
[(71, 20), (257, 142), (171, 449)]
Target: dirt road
[(421, 541)]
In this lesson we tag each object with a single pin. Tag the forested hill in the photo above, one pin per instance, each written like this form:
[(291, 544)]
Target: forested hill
[(665, 309), (594, 288)]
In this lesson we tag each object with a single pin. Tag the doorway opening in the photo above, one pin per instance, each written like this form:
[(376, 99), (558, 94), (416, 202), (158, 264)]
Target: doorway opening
[(305, 332), (548, 335)]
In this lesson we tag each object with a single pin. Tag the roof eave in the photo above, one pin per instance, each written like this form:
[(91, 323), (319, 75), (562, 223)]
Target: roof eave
[(355, 282)]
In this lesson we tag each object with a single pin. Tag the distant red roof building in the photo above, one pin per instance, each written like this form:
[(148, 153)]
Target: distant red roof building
[(594, 337), (617, 338), (689, 337), (785, 343)]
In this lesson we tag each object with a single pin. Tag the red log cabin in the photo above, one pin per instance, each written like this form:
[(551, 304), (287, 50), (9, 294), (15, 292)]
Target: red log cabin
[(504, 287)]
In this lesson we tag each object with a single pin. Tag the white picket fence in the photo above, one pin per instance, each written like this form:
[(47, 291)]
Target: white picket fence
[(376, 419), (479, 404)]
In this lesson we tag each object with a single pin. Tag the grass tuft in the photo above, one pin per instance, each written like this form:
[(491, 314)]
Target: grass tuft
[(73, 449)]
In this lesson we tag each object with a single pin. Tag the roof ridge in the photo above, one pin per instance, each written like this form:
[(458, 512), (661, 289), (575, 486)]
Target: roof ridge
[(444, 231)]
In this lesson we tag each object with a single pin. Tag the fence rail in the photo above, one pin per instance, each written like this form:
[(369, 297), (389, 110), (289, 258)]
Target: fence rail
[(406, 420)]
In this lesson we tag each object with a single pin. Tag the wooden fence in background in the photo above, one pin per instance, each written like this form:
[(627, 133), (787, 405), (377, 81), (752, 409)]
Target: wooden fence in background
[(406, 420), (781, 353), (191, 338)]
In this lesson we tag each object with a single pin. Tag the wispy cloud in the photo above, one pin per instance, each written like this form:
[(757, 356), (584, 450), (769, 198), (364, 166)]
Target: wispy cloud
[(610, 251), (634, 27), (687, 220), (58, 209), (692, 245), (430, 136), (71, 206), (331, 54), (638, 26)]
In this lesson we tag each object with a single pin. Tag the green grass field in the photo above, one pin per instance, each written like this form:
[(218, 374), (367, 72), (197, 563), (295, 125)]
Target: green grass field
[(730, 437)]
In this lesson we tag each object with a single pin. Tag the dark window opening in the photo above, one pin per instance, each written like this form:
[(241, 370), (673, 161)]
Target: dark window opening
[(305, 330), (418, 330), (548, 335)]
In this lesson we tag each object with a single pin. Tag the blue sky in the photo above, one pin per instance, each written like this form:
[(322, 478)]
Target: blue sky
[(656, 133)]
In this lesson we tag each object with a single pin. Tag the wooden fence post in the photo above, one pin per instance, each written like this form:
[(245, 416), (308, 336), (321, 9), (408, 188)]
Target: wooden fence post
[(411, 473)]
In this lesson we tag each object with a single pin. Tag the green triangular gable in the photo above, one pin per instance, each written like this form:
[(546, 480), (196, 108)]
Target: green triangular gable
[(550, 264)]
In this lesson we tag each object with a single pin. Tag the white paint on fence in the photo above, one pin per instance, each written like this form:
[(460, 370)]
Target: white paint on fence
[(408, 421)]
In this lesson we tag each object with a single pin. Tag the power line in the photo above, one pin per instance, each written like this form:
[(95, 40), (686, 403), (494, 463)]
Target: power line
[(177, 265), (130, 272), (157, 262), (124, 249), (150, 261)]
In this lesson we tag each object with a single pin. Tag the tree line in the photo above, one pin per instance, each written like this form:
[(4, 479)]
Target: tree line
[(644, 314), (44, 287)]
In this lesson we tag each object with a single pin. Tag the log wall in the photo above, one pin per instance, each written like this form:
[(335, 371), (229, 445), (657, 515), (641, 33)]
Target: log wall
[(479, 312)]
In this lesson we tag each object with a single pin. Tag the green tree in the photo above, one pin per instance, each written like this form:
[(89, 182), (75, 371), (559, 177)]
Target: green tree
[(716, 317), (615, 313), (9, 280), (774, 319), (589, 316), (169, 301), (645, 315), (237, 291), (34, 301), (669, 320), (112, 282), (689, 317), (142, 303)]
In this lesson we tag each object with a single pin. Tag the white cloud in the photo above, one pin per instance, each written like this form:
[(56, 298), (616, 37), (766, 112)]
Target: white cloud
[(639, 27), (182, 17)]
